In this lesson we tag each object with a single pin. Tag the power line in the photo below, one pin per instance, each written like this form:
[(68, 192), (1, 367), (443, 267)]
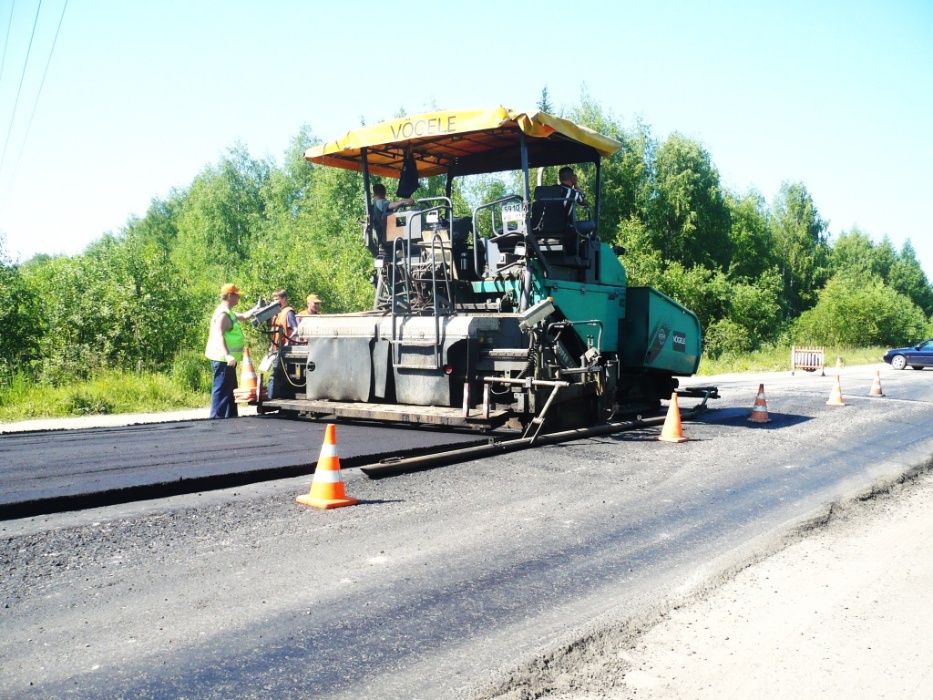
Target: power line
[(6, 42), (19, 89), (39, 93)]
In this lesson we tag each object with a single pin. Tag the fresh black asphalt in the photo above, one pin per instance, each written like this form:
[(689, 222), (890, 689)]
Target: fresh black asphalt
[(49, 471)]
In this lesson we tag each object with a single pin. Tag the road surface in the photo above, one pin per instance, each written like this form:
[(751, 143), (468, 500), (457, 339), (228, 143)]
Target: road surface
[(447, 583), (48, 471)]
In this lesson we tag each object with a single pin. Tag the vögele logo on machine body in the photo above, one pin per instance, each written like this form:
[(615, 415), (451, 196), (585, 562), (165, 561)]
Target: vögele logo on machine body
[(679, 341)]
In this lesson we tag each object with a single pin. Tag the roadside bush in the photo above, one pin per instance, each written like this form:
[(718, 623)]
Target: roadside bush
[(80, 403), (857, 312), (190, 371), (725, 337), (755, 306)]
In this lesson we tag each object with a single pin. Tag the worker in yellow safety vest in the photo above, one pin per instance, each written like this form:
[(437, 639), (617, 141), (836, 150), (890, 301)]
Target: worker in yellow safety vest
[(225, 343)]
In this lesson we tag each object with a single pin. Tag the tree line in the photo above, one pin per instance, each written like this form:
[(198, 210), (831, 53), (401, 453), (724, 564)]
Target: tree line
[(756, 274)]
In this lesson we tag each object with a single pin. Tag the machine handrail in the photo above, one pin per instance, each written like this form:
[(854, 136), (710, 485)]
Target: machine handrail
[(395, 243), (435, 239), (448, 206)]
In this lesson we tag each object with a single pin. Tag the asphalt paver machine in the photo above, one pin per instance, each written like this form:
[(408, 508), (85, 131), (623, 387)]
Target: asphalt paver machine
[(511, 313)]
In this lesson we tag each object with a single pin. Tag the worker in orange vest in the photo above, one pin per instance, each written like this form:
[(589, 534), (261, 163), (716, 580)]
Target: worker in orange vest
[(283, 326), (284, 323)]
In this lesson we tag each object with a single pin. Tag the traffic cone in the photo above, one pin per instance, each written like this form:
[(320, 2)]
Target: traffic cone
[(875, 390), (327, 486), (835, 397), (760, 409), (248, 378), (672, 431)]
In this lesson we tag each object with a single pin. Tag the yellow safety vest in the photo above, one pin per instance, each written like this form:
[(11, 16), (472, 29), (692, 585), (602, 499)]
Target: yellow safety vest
[(233, 338)]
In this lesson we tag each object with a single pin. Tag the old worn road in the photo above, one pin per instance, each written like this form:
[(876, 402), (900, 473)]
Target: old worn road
[(446, 583)]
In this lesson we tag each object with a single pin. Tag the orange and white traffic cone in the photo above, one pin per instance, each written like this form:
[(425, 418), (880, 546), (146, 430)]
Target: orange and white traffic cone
[(248, 379), (875, 390), (672, 431), (835, 396), (327, 487), (760, 409)]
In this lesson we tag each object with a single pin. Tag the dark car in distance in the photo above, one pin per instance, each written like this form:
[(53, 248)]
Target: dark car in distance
[(916, 356)]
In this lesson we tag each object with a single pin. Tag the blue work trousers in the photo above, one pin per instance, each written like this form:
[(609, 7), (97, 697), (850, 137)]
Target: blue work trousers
[(222, 403)]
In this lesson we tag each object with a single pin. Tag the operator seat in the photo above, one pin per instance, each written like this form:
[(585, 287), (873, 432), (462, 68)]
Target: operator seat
[(552, 219)]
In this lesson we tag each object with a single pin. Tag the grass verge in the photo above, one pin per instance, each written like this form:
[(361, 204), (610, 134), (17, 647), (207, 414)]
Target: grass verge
[(778, 359), (108, 392)]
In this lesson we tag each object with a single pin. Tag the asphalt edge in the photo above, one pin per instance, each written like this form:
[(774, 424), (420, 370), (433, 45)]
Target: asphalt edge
[(537, 675)]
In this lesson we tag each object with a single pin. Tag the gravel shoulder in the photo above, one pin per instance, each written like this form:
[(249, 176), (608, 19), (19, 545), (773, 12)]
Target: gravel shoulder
[(843, 612)]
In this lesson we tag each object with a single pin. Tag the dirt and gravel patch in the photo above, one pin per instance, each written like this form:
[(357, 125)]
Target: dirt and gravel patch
[(841, 611)]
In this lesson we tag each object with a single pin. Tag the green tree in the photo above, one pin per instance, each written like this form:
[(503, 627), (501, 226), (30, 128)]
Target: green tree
[(853, 252), (883, 258), (800, 239), (118, 305), (753, 250), (907, 277), (858, 311), (65, 350), (18, 318), (755, 307), (689, 216), (220, 216), (160, 223), (285, 191), (628, 182), (626, 176)]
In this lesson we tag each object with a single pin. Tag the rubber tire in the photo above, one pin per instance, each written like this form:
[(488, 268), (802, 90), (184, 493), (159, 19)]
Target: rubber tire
[(898, 362), (917, 367)]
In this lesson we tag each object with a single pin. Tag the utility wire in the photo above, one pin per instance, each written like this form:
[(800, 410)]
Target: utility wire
[(6, 42), (35, 104), (19, 89)]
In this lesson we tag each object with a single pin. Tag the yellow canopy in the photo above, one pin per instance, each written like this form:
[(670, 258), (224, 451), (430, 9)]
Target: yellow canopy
[(463, 142)]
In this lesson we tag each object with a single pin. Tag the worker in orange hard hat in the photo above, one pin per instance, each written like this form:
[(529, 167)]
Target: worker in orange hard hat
[(225, 343)]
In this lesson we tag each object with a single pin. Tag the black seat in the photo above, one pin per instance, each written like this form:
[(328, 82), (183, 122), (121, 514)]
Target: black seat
[(462, 228), (552, 220), (549, 215)]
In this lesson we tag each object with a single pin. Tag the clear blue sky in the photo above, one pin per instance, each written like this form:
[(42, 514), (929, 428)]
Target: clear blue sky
[(141, 95)]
